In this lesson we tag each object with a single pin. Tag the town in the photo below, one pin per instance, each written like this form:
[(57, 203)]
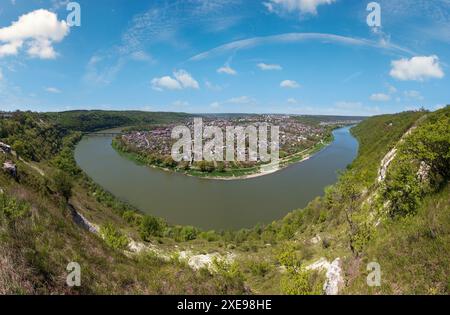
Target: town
[(294, 135)]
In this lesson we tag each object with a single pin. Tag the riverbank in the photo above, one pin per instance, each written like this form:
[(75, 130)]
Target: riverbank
[(232, 174), (216, 204)]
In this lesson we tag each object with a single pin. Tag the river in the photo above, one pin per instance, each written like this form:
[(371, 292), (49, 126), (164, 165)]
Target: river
[(215, 204)]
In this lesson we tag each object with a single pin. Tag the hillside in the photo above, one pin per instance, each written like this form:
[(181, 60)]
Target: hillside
[(401, 222)]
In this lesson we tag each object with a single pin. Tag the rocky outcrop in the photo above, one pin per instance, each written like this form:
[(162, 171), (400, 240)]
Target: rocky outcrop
[(334, 280), (197, 262), (10, 168), (387, 160), (4, 148), (390, 156), (81, 221)]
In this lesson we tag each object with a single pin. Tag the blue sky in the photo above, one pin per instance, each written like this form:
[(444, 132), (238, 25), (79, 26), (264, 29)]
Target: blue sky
[(215, 56)]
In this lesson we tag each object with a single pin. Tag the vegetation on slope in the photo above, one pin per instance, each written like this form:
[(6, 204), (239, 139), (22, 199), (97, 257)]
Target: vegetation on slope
[(38, 236), (402, 223), (88, 121)]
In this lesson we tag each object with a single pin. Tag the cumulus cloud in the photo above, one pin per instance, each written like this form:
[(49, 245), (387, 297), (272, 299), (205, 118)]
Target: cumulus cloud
[(289, 84), (417, 68), (185, 79), (53, 90), (302, 6), (380, 97), (37, 31), (227, 70), (165, 82), (268, 67), (181, 80)]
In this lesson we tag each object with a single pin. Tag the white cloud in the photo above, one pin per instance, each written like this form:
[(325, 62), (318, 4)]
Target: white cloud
[(302, 6), (181, 80), (185, 79), (289, 84), (37, 30), (296, 38), (1, 74), (166, 82), (414, 95), (53, 90), (227, 70), (417, 68), (268, 67), (380, 97)]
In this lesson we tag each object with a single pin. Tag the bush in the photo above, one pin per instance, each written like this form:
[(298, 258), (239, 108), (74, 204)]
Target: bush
[(188, 233), (403, 190), (12, 209), (209, 236), (261, 268), (297, 280), (206, 167), (63, 185), (113, 237), (149, 227)]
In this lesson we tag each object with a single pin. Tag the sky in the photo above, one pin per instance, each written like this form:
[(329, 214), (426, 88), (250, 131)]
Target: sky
[(225, 56)]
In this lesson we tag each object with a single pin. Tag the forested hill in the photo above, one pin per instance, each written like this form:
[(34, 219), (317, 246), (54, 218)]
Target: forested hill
[(88, 121), (391, 207)]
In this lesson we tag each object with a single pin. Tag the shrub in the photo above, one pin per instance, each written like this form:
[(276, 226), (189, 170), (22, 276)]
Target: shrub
[(11, 208), (261, 268), (210, 236), (206, 167), (113, 237), (297, 280), (63, 185), (149, 227), (188, 233), (403, 189), (300, 282)]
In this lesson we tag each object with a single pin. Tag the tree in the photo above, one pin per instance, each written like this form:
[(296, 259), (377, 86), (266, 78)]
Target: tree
[(349, 192), (297, 280), (430, 143), (63, 185), (206, 167), (169, 162)]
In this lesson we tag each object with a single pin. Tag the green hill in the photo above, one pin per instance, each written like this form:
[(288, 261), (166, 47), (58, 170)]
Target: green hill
[(51, 214)]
